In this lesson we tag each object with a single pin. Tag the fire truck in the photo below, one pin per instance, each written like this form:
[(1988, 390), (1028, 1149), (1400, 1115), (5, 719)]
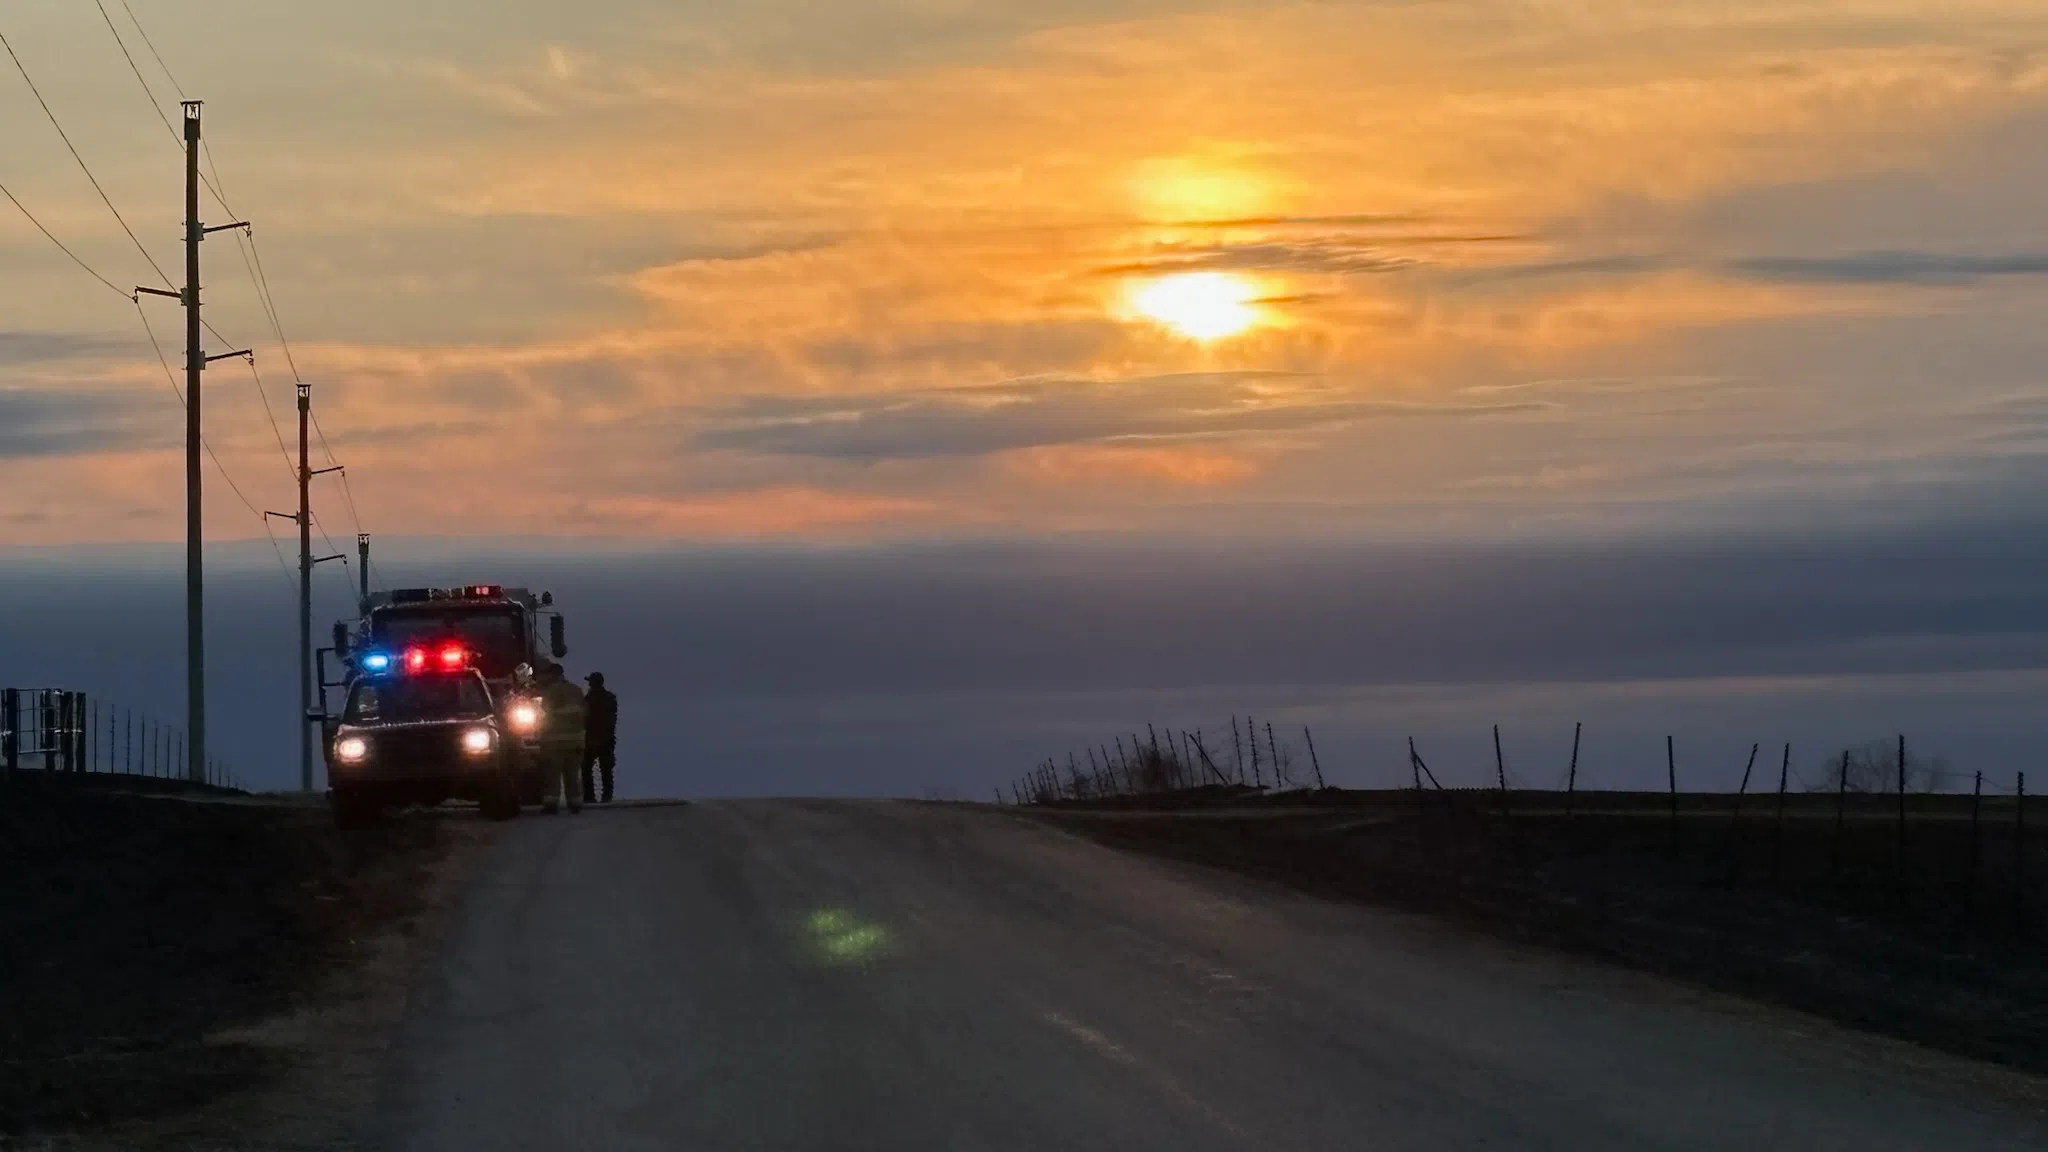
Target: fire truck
[(505, 632)]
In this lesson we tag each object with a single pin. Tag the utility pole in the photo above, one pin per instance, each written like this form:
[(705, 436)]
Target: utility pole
[(195, 366), (196, 361), (363, 571), (304, 519)]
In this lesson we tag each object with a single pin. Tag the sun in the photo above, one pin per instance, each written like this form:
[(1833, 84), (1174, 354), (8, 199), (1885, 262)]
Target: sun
[(1199, 305)]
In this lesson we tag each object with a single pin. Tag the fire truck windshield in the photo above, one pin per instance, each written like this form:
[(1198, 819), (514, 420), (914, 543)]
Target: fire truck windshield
[(410, 699), (496, 635)]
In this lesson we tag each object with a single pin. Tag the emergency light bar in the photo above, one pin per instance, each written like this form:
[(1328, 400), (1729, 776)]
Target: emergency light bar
[(417, 660), (466, 592)]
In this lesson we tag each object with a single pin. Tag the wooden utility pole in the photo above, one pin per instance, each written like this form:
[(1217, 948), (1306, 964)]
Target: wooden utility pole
[(196, 361), (304, 519), (363, 571), (195, 366)]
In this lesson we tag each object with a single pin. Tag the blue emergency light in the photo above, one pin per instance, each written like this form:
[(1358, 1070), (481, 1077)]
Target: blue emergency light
[(376, 661)]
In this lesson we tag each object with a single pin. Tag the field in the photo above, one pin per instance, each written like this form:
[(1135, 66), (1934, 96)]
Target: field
[(1814, 908), (148, 935)]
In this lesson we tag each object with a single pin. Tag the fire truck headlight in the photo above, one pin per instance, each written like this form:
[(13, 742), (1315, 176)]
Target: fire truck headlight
[(477, 741), (352, 750), (524, 717)]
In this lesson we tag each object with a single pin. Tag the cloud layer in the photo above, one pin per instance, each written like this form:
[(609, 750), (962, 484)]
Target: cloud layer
[(721, 271)]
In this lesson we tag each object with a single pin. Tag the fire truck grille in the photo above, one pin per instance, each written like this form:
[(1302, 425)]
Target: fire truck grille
[(408, 745)]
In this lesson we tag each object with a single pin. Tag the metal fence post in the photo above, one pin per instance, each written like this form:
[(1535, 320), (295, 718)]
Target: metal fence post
[(1841, 814), (10, 729), (46, 723), (67, 736), (1778, 824), (1976, 841), (1671, 780), (1900, 893), (1571, 777), (1735, 817), (1500, 770), (2019, 855)]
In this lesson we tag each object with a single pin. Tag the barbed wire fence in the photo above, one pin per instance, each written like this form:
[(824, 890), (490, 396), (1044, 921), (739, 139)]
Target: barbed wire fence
[(1879, 825), (58, 732)]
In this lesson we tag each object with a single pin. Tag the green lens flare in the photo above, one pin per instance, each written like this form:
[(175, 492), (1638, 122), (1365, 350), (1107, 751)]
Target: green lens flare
[(840, 937)]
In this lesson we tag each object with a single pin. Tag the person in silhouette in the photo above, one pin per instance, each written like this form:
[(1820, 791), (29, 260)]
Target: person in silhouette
[(561, 737), (600, 737)]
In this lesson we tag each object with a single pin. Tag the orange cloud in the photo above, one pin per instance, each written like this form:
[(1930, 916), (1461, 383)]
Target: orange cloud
[(1092, 463), (762, 512)]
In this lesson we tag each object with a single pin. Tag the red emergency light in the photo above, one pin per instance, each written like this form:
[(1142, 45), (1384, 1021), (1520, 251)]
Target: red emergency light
[(443, 658)]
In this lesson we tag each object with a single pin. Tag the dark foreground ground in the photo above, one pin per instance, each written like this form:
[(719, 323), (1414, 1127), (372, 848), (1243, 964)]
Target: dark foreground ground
[(1813, 911), (846, 975), (798, 975), (149, 944)]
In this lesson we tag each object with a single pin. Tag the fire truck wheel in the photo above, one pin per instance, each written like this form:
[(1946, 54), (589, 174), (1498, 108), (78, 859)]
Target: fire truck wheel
[(502, 802), (351, 808)]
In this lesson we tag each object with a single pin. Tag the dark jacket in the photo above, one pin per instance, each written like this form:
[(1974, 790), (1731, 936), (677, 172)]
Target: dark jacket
[(600, 717)]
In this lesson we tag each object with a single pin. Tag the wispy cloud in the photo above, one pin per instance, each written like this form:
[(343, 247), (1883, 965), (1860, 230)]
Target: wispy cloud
[(988, 419), (1895, 267), (45, 422), (19, 347)]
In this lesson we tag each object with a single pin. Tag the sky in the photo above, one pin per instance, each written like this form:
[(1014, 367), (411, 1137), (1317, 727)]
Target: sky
[(879, 281)]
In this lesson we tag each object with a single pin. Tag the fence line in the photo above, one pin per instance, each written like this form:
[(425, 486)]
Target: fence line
[(1938, 858), (58, 731)]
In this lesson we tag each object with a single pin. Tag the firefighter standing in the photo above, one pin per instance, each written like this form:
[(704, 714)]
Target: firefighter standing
[(561, 737), (600, 737)]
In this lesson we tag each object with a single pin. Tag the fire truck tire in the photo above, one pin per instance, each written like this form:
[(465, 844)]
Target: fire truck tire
[(352, 809), (502, 802)]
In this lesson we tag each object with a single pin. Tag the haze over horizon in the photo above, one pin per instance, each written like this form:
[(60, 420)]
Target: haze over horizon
[(1720, 318)]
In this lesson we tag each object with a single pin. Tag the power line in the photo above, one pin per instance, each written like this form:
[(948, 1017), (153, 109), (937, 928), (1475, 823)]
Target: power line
[(61, 246), (347, 493), (82, 166), (270, 302), (252, 262), (154, 106), (172, 379), (205, 148), (152, 49), (263, 394), (347, 573)]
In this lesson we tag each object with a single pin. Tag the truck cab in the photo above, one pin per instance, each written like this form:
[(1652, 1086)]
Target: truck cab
[(424, 729), (505, 631)]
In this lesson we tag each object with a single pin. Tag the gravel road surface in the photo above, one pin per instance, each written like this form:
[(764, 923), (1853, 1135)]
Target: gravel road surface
[(872, 975)]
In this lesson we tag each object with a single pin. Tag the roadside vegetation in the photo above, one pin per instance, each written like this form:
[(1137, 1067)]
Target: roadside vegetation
[(1922, 913)]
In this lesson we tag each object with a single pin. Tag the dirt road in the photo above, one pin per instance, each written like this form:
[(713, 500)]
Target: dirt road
[(813, 975)]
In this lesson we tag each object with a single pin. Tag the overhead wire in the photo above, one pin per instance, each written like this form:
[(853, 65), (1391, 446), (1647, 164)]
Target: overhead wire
[(251, 260), (210, 178), (263, 290), (347, 573), (269, 413), (82, 165), (154, 105), (62, 247), (144, 33), (172, 379), (245, 245)]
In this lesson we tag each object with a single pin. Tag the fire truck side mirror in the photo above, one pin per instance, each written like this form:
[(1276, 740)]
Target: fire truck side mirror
[(556, 643), (340, 639)]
